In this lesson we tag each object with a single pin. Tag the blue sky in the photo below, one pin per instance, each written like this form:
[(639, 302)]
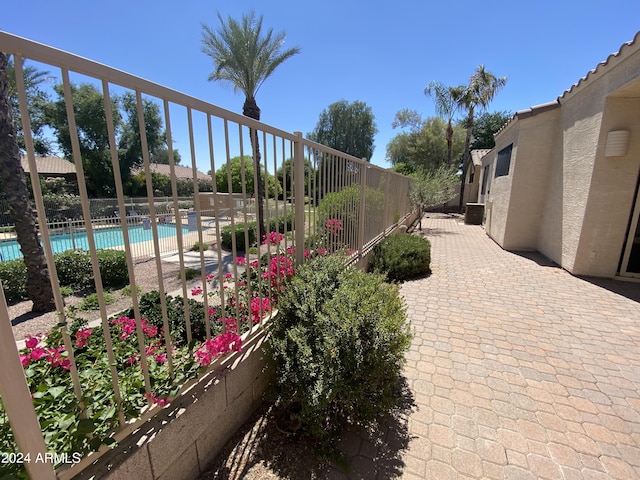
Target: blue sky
[(381, 53)]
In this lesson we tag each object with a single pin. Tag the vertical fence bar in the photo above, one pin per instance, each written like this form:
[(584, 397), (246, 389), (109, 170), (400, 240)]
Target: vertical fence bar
[(361, 219), (17, 402), (298, 197)]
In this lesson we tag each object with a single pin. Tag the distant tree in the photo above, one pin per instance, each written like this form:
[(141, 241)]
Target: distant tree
[(91, 126), (245, 58), (434, 187), (37, 100), (423, 144), (347, 127), (236, 165), (130, 142), (448, 102), (12, 182), (285, 175), (161, 155), (483, 86), (486, 126)]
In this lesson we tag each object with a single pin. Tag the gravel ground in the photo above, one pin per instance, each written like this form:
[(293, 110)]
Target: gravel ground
[(24, 322)]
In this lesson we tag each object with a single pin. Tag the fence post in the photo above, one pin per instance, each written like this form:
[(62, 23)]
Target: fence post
[(17, 402), (361, 214), (298, 197)]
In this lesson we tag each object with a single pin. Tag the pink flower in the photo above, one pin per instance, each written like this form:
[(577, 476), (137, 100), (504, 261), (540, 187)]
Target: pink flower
[(160, 358), (150, 330), (25, 360), (228, 276), (196, 291), (37, 353), (259, 307), (273, 238), (161, 402), (32, 342), (241, 261), (334, 225), (132, 359), (215, 347), (82, 337)]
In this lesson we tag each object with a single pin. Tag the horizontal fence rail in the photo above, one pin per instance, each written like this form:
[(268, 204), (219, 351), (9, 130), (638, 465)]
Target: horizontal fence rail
[(113, 371)]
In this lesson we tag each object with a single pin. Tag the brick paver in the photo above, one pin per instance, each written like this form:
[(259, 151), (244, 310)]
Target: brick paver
[(518, 369)]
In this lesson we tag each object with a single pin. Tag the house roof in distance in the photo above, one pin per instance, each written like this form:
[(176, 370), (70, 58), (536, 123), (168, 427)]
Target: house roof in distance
[(50, 165), (477, 154), (180, 171)]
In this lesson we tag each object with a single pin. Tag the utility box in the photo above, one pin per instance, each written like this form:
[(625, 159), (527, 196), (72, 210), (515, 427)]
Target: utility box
[(474, 214)]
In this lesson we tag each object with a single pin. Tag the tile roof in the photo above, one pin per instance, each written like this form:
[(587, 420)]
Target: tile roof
[(180, 171), (477, 154), (49, 165)]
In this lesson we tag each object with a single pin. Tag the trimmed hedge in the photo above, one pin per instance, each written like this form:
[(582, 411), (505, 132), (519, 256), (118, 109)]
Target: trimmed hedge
[(74, 270), (401, 257)]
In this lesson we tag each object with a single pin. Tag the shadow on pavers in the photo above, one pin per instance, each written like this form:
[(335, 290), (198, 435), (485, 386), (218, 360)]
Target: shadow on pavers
[(261, 448)]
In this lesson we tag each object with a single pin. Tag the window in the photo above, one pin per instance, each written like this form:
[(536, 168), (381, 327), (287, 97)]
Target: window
[(485, 180), (504, 162)]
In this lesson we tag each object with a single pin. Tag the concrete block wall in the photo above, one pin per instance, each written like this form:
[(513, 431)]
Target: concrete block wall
[(182, 440)]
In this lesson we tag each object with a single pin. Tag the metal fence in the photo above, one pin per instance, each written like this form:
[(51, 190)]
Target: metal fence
[(340, 203)]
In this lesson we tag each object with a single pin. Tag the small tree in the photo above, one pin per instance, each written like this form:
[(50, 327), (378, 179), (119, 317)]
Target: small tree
[(433, 187)]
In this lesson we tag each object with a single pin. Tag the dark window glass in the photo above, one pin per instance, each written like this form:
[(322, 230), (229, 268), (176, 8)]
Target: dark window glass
[(504, 162)]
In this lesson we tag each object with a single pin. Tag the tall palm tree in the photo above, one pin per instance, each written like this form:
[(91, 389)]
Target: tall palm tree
[(13, 184), (482, 88), (245, 58), (448, 100)]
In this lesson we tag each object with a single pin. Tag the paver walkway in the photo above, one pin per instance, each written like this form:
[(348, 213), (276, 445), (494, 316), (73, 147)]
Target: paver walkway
[(518, 369)]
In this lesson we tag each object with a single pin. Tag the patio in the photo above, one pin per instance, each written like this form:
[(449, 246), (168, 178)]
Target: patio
[(518, 370)]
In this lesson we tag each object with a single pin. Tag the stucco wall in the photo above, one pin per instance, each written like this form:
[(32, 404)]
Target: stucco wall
[(501, 187), (537, 140), (611, 194)]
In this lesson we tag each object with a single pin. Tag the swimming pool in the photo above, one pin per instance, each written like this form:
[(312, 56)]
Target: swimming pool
[(107, 237)]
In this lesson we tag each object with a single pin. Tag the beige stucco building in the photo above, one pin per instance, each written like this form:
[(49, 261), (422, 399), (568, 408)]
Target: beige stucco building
[(564, 177)]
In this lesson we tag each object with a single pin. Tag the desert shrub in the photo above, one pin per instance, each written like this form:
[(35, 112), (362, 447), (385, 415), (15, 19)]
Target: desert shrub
[(13, 275), (151, 309), (337, 345), (189, 274), (401, 257)]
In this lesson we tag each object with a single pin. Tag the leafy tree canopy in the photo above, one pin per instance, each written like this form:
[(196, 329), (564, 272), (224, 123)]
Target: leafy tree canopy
[(485, 127), (235, 165), (423, 143), (348, 127)]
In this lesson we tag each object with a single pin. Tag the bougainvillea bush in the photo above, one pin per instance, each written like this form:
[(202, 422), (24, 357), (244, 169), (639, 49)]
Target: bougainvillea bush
[(72, 425)]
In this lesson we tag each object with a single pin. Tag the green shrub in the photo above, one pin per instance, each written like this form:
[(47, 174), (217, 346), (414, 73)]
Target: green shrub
[(401, 257), (337, 345), (252, 231), (197, 247), (280, 224), (90, 302), (151, 309), (189, 274), (113, 268), (345, 206), (74, 271), (13, 275)]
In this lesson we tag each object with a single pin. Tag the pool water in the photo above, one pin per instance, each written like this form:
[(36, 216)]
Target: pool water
[(104, 238)]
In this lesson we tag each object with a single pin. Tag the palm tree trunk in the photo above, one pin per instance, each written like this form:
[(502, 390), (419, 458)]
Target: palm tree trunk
[(466, 157), (13, 184), (250, 109), (449, 143)]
